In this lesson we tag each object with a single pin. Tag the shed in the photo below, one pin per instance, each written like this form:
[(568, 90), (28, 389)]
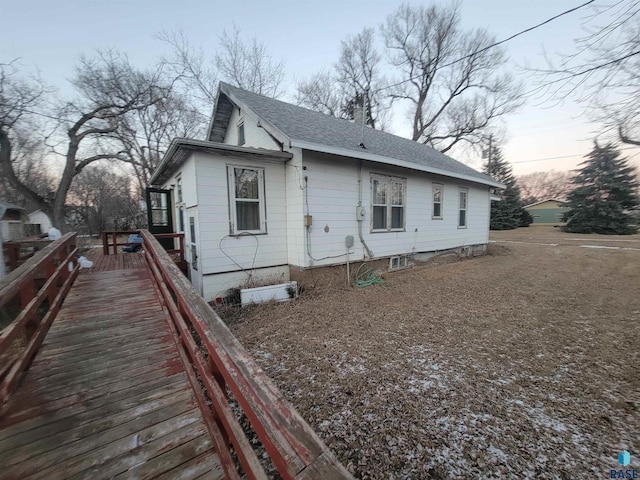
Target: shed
[(547, 212), (12, 222), (39, 223)]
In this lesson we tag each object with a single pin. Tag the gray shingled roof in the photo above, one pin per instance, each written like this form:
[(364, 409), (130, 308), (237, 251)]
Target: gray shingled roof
[(300, 124)]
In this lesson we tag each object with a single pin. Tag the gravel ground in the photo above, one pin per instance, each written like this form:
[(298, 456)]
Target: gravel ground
[(521, 363)]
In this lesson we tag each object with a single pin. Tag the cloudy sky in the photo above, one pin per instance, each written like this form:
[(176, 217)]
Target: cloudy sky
[(50, 35)]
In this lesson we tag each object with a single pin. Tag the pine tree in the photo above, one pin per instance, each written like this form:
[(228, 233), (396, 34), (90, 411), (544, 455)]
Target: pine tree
[(506, 214), (605, 190)]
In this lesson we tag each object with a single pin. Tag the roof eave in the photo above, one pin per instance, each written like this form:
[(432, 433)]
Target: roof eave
[(545, 200), (204, 145), (364, 155)]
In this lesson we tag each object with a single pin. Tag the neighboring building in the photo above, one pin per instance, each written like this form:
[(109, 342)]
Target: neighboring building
[(276, 186), (39, 223), (12, 222), (547, 212)]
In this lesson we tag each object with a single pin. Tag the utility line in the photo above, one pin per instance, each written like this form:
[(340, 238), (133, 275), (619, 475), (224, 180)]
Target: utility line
[(564, 156), (522, 32), (519, 33), (577, 74)]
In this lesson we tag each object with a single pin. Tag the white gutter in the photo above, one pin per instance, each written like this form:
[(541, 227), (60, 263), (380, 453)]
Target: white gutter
[(205, 145), (364, 155)]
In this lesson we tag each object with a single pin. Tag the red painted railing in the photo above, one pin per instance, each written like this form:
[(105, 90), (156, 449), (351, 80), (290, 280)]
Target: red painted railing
[(16, 253), (35, 291), (209, 349)]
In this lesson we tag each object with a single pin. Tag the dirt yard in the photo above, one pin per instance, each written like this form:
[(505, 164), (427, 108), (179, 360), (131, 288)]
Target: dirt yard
[(524, 363)]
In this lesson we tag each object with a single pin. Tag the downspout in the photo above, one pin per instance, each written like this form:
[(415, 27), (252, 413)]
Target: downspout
[(360, 218)]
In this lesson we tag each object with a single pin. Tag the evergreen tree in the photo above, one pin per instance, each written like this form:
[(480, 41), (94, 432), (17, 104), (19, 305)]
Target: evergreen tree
[(506, 214), (605, 190)]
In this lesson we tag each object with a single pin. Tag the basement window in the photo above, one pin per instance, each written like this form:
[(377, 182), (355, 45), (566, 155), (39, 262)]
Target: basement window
[(398, 262)]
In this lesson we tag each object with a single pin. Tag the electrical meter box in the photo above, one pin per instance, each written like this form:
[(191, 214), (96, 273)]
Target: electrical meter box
[(360, 213)]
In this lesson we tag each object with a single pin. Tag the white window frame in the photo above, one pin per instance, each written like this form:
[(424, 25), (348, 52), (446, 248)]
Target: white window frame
[(193, 241), (179, 205), (389, 180), (434, 187), (231, 187), (463, 208), (179, 194)]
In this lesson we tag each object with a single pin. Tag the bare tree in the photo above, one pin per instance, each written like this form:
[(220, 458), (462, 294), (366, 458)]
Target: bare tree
[(538, 186), (355, 79), (198, 74), (102, 198), (246, 65), (19, 97), (450, 78), (603, 72), (145, 134), (320, 93), (109, 88), (249, 65), (359, 76)]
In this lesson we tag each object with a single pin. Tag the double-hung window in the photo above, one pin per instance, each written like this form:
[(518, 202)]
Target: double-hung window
[(388, 203), (246, 199), (437, 192), (463, 195)]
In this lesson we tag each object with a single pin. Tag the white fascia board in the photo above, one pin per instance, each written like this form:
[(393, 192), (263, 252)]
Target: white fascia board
[(390, 161)]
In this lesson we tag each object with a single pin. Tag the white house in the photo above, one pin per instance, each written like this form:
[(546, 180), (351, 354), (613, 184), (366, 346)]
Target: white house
[(39, 222), (11, 222), (277, 187)]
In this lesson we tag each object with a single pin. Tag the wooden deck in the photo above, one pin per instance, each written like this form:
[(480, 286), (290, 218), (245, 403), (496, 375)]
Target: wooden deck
[(108, 263), (107, 394)]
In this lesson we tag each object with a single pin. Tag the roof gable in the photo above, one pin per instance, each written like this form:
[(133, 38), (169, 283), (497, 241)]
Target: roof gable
[(316, 131), (545, 201)]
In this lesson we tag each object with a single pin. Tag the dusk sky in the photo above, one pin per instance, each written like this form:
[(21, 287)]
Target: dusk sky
[(306, 35)]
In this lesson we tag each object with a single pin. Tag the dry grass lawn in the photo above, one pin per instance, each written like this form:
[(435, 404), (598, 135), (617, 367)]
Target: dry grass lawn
[(523, 363)]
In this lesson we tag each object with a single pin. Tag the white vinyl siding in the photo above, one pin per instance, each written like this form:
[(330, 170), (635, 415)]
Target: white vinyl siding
[(246, 199), (221, 251), (254, 136), (332, 197), (388, 203)]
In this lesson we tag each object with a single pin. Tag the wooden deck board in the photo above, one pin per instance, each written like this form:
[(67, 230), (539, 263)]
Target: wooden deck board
[(106, 263), (107, 394)]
